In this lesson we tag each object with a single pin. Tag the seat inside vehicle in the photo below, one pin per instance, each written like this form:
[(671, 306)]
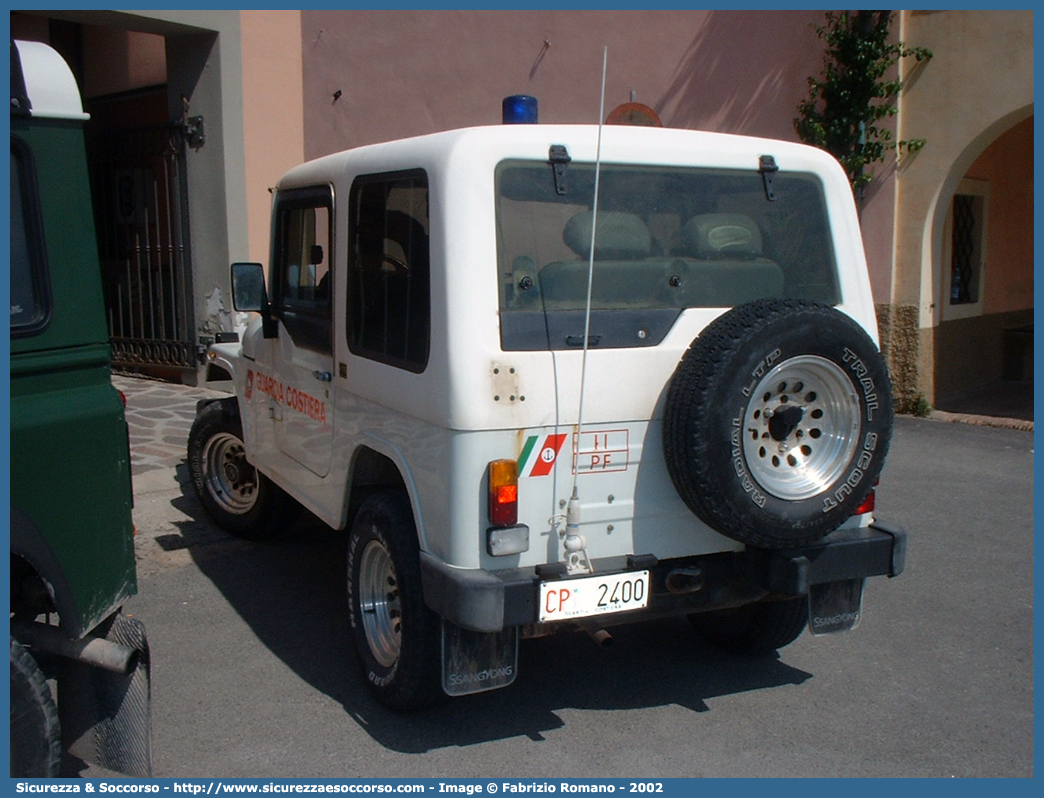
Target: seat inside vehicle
[(723, 264)]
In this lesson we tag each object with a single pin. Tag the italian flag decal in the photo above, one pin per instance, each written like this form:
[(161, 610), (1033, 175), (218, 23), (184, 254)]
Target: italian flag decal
[(542, 457)]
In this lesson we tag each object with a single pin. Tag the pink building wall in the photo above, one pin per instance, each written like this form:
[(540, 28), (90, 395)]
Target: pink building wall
[(405, 73)]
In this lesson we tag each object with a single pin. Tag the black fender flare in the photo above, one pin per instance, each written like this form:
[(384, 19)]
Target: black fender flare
[(30, 544)]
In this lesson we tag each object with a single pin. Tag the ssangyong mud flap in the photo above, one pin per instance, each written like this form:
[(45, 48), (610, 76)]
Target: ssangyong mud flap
[(105, 715), (835, 606), (473, 662)]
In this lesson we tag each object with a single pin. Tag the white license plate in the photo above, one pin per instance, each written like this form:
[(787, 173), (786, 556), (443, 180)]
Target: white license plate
[(593, 595)]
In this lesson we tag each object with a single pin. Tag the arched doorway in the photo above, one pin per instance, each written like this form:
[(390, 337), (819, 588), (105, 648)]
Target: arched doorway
[(982, 276)]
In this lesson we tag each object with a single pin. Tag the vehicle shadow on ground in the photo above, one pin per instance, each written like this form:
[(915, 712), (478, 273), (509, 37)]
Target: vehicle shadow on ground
[(291, 594)]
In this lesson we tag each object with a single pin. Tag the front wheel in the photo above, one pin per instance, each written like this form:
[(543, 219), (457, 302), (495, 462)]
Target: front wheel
[(396, 634), (754, 629), (242, 501)]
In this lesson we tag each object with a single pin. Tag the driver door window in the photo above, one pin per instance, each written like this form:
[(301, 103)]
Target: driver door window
[(302, 277)]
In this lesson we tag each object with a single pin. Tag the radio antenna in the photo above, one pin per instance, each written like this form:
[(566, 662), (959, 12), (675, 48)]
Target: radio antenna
[(577, 560)]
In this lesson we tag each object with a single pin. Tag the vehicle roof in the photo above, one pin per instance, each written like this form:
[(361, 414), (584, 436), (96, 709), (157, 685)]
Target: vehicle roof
[(48, 82), (615, 143)]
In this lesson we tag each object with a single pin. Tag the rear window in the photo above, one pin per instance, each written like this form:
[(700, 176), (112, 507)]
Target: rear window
[(667, 239)]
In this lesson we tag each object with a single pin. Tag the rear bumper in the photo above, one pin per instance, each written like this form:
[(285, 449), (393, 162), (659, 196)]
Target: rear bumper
[(876, 550), (489, 601)]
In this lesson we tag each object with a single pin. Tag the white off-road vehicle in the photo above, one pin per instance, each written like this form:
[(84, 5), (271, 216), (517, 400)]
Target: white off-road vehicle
[(561, 377)]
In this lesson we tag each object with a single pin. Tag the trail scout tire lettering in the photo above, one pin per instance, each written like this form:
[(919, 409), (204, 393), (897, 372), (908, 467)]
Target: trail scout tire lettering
[(777, 422)]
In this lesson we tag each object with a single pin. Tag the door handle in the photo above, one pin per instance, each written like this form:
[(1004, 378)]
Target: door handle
[(322, 376)]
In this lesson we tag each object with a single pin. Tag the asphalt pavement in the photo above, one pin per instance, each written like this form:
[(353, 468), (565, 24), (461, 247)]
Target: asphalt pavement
[(254, 677)]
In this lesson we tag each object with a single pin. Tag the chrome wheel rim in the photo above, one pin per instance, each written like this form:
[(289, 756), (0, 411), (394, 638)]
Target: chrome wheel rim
[(379, 603), (230, 480), (800, 428)]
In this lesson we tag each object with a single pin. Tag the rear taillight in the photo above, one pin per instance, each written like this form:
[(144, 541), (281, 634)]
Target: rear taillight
[(503, 492), (867, 506)]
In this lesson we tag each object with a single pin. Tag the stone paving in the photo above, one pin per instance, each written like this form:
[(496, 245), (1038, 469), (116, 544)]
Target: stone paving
[(159, 415)]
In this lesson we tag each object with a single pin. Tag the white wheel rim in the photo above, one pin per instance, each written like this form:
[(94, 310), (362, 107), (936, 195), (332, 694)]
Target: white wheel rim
[(800, 428), (229, 478), (379, 603)]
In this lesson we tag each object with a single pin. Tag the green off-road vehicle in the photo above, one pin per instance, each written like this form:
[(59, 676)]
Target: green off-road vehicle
[(79, 667)]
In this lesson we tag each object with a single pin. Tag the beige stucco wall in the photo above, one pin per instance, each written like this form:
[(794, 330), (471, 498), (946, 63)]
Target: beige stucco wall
[(975, 88), (978, 86), (273, 117)]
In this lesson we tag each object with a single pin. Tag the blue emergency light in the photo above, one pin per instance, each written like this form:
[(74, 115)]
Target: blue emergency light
[(520, 109)]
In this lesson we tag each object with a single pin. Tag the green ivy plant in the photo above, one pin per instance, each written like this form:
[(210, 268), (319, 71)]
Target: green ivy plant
[(845, 105)]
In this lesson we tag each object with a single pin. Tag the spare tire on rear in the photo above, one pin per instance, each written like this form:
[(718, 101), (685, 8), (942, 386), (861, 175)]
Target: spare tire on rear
[(777, 422)]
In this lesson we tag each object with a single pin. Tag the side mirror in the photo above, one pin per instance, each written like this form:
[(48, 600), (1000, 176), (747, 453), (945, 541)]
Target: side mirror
[(249, 294), (248, 287)]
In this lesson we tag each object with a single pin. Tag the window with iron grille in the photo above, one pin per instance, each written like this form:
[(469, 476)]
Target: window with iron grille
[(966, 249)]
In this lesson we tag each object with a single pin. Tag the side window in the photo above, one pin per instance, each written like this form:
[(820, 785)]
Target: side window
[(301, 275), (964, 250), (389, 309), (30, 297)]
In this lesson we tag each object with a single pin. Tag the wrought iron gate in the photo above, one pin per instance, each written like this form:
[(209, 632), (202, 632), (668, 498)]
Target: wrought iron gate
[(141, 211)]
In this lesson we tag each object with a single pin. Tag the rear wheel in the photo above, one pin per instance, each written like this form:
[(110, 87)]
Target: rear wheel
[(754, 629), (396, 634), (35, 739), (241, 501)]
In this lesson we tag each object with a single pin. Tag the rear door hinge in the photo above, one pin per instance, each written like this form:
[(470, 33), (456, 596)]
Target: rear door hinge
[(559, 157), (767, 167)]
